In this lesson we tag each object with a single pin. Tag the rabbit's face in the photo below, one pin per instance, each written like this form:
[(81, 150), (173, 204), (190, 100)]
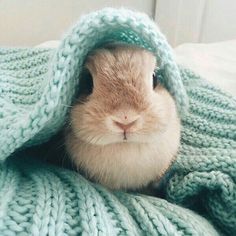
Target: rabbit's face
[(124, 105)]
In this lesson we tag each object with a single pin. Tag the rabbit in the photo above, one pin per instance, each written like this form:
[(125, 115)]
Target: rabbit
[(124, 130)]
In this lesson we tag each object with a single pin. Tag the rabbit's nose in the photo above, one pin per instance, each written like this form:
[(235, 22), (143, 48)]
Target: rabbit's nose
[(123, 126)]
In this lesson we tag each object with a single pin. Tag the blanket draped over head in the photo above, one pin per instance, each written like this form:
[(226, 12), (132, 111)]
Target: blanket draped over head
[(37, 87)]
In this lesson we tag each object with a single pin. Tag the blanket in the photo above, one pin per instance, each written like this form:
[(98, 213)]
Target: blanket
[(37, 87)]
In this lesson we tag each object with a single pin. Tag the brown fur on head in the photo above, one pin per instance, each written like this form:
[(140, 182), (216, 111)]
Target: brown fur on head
[(123, 113), (126, 72)]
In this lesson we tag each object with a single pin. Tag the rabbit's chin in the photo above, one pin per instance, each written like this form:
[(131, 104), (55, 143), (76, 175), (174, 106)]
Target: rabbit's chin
[(129, 164)]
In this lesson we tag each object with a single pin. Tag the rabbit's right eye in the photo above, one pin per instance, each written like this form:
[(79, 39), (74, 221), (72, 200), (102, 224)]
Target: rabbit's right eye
[(155, 80)]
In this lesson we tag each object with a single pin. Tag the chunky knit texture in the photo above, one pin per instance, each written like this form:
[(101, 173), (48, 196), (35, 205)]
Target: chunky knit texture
[(36, 88)]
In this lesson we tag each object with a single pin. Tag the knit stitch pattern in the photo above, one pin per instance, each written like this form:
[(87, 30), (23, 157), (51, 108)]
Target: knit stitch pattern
[(37, 87)]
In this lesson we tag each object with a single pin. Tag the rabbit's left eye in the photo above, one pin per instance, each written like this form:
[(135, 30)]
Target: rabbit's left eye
[(155, 80), (85, 83)]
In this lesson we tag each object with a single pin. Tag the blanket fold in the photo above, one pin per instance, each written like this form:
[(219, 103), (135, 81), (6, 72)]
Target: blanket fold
[(37, 87), (205, 170)]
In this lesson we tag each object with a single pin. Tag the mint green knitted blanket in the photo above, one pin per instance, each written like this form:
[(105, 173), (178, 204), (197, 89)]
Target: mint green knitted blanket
[(37, 87)]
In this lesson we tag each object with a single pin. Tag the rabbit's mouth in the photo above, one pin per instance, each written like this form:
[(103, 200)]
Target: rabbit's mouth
[(129, 137), (125, 136), (133, 137)]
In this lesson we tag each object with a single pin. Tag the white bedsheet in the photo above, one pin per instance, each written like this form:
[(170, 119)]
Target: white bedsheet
[(216, 62)]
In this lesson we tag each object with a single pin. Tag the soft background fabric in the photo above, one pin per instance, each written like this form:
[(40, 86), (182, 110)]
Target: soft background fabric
[(215, 62), (36, 87)]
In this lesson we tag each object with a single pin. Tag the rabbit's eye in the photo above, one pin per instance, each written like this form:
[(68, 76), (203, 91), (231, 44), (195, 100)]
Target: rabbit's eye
[(86, 83), (89, 84), (155, 80)]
